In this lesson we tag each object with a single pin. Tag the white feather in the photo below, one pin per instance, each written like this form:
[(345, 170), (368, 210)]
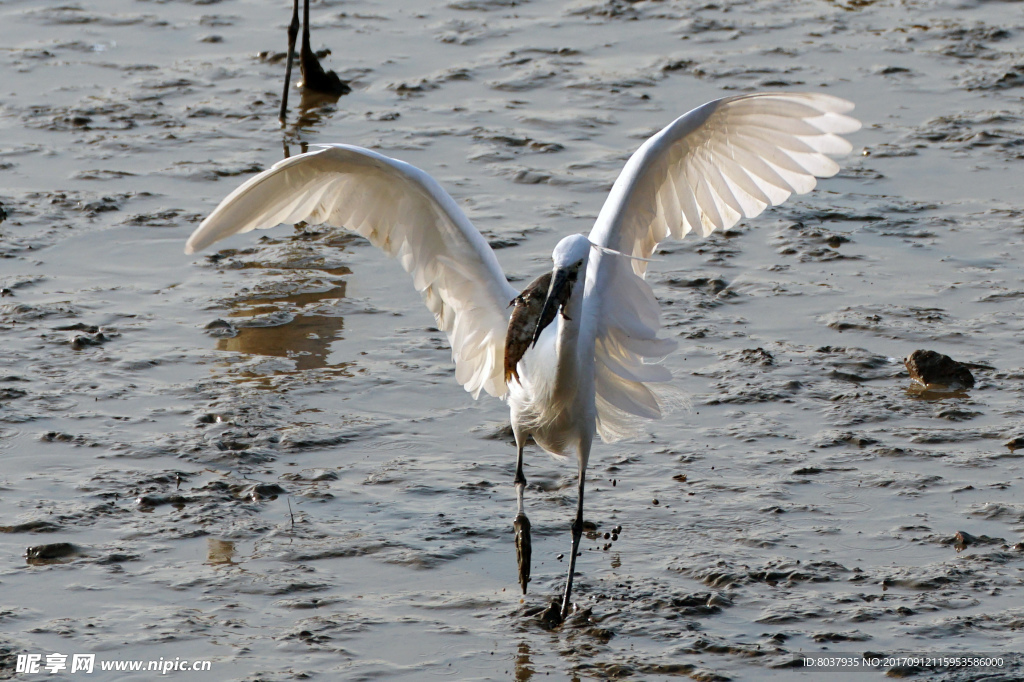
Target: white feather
[(404, 212), (723, 161), (594, 367)]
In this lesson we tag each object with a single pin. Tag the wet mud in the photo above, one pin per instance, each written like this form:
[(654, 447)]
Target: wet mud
[(259, 456)]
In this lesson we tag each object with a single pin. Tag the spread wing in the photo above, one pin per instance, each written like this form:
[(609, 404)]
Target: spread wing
[(723, 161), (405, 213)]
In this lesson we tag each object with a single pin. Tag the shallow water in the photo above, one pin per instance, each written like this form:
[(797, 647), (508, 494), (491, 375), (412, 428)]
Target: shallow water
[(302, 490)]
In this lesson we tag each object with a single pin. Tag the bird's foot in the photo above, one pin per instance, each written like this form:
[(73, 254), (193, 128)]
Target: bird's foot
[(564, 608), (551, 617), (315, 78), (524, 548), (554, 615)]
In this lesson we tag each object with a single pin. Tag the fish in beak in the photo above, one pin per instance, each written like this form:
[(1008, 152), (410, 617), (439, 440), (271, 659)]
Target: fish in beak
[(523, 323), (562, 281), (535, 309)]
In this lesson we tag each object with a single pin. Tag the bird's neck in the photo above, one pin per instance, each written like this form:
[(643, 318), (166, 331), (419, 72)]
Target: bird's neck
[(568, 344)]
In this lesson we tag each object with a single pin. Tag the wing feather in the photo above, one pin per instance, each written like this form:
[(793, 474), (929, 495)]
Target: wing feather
[(723, 161), (752, 199), (405, 213)]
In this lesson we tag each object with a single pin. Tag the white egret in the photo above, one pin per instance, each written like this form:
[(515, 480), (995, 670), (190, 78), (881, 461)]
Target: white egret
[(595, 371)]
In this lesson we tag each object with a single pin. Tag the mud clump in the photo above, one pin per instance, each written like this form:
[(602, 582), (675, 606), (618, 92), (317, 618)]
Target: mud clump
[(150, 502), (259, 491), (55, 552), (37, 526), (80, 341), (221, 329), (930, 368), (962, 540)]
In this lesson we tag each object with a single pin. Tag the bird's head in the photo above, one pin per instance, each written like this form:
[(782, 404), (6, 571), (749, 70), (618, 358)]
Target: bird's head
[(571, 252), (570, 259)]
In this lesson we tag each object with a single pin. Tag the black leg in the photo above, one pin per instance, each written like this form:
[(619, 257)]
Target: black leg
[(293, 32), (577, 533), (305, 37), (313, 75), (524, 550)]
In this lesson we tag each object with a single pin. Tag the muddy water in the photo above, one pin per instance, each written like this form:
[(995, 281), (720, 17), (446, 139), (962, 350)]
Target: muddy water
[(259, 457)]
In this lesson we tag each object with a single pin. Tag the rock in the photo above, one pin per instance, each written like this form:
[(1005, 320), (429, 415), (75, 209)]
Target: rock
[(221, 329), (260, 491), (551, 617), (929, 369), (50, 553), (962, 540)]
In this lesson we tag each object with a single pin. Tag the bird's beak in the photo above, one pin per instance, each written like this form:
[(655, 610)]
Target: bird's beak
[(562, 281)]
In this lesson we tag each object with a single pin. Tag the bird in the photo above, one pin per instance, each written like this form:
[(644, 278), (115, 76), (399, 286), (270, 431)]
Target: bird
[(576, 355), (313, 75)]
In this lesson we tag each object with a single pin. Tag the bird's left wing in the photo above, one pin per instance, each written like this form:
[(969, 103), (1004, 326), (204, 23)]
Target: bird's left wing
[(405, 213), (723, 161)]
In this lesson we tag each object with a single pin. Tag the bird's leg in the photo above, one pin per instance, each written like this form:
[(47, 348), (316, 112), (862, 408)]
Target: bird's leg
[(293, 32), (577, 533), (306, 53), (521, 525), (313, 75)]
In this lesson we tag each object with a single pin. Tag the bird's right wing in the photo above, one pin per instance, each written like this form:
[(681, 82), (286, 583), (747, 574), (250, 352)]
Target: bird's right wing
[(407, 214), (723, 161)]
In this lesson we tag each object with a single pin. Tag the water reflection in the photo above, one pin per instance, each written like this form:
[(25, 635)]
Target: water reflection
[(932, 394), (524, 664), (220, 552), (268, 327), (314, 109), (303, 147), (305, 339), (852, 5)]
